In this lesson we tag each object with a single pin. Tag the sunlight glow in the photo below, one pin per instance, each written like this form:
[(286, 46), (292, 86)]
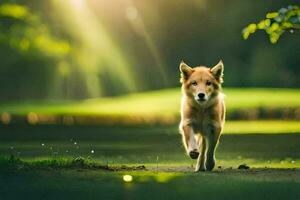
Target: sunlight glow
[(139, 27), (97, 52), (165, 177), (77, 3), (131, 13)]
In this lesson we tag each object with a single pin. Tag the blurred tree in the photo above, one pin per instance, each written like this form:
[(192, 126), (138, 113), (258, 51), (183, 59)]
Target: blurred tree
[(276, 23), (26, 33), (44, 54), (28, 53)]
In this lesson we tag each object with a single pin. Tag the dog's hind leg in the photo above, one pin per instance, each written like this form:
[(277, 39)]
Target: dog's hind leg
[(200, 166)]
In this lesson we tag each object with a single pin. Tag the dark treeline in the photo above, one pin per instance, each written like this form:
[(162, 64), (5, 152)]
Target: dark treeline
[(115, 47)]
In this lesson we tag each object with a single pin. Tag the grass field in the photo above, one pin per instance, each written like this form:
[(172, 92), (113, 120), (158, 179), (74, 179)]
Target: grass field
[(133, 145), (269, 147), (261, 127), (274, 161), (157, 103), (73, 184)]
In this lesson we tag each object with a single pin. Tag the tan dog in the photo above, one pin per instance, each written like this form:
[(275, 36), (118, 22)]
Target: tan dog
[(202, 112)]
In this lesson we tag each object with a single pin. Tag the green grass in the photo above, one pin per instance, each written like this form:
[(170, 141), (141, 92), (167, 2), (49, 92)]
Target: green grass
[(259, 97), (48, 168), (13, 163), (49, 179), (143, 145), (49, 172), (261, 126), (73, 184), (157, 103)]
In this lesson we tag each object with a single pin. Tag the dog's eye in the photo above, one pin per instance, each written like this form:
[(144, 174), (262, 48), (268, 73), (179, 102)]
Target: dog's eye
[(194, 83), (208, 83)]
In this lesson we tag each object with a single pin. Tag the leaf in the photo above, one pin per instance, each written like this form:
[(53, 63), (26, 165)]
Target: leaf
[(252, 28), (276, 23), (267, 22), (13, 10), (283, 10), (274, 38), (279, 18), (272, 15), (294, 20), (261, 24), (274, 27), (245, 33), (290, 7)]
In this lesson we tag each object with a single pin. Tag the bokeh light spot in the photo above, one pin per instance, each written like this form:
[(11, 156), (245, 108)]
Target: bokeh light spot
[(131, 13), (32, 118), (5, 118), (127, 178)]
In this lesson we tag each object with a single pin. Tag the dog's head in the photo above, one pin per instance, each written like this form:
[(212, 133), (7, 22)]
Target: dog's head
[(201, 83)]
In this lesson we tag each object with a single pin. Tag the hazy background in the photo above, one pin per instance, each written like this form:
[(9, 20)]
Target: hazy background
[(87, 83), (76, 49)]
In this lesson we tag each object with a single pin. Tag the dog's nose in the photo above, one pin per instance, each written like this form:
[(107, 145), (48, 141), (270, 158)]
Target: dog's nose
[(201, 95)]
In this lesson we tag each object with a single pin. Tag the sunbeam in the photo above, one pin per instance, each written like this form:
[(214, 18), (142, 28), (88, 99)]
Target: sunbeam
[(139, 27), (98, 55)]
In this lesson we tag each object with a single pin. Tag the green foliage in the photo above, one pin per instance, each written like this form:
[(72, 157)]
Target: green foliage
[(30, 53), (53, 49), (14, 10), (276, 23), (25, 32)]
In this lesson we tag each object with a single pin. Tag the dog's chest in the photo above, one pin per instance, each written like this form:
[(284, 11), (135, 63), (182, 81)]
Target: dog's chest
[(200, 120)]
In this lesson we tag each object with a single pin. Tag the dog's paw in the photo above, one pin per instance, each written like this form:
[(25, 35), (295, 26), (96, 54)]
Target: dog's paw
[(194, 154), (210, 164), (199, 169)]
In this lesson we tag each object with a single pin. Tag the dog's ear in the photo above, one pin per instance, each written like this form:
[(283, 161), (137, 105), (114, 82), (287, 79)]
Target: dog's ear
[(217, 71), (185, 70)]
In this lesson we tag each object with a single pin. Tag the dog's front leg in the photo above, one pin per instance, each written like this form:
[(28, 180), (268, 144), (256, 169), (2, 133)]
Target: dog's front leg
[(189, 141), (212, 139), (200, 166)]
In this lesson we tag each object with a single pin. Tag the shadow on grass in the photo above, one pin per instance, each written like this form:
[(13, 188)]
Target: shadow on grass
[(99, 184), (74, 177)]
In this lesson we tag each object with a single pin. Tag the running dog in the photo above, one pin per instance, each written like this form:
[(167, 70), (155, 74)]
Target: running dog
[(202, 112)]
